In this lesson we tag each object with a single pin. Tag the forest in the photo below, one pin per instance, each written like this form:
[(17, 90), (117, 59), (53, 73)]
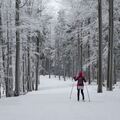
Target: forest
[(39, 38)]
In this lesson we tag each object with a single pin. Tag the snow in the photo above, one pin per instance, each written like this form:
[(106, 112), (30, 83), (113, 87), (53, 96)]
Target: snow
[(52, 102)]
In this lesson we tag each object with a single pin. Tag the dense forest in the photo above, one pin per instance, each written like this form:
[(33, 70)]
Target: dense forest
[(80, 35)]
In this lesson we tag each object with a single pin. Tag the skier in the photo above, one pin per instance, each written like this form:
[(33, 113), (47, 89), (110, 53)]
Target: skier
[(80, 84)]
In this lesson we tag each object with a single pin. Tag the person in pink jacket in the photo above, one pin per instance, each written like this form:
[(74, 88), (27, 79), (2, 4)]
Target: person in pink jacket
[(80, 84)]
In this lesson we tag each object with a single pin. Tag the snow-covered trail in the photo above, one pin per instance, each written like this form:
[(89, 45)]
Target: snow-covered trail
[(52, 102)]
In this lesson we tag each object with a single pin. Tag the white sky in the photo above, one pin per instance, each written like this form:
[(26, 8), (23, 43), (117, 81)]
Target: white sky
[(54, 6)]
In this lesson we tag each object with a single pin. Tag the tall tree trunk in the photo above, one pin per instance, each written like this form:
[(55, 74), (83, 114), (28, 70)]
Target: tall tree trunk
[(7, 80), (79, 50), (29, 83), (89, 80), (9, 74), (17, 66), (38, 59), (100, 47), (110, 48), (2, 50), (58, 60)]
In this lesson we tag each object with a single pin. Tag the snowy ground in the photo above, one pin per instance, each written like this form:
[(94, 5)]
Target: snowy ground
[(52, 102)]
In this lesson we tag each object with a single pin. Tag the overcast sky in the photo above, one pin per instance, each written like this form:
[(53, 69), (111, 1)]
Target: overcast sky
[(54, 6)]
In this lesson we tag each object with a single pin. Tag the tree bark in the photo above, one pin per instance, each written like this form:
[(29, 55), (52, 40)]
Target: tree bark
[(17, 66), (100, 47), (89, 77), (79, 50), (37, 62), (2, 50), (110, 48)]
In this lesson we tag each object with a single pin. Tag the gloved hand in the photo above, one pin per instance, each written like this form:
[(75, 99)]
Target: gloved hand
[(74, 78)]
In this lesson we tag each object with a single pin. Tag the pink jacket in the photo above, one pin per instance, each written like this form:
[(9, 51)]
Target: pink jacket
[(80, 79)]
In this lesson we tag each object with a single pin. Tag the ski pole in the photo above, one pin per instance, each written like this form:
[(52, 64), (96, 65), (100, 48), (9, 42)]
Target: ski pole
[(71, 90), (87, 92)]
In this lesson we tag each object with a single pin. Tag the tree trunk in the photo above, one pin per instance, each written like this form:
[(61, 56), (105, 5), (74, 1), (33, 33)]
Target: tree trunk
[(89, 80), (100, 47), (110, 48), (49, 62), (7, 79), (2, 51), (23, 77), (115, 80), (37, 62), (17, 66), (73, 67), (79, 50), (29, 83), (64, 70)]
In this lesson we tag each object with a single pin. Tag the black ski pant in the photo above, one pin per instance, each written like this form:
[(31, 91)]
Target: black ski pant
[(78, 94)]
